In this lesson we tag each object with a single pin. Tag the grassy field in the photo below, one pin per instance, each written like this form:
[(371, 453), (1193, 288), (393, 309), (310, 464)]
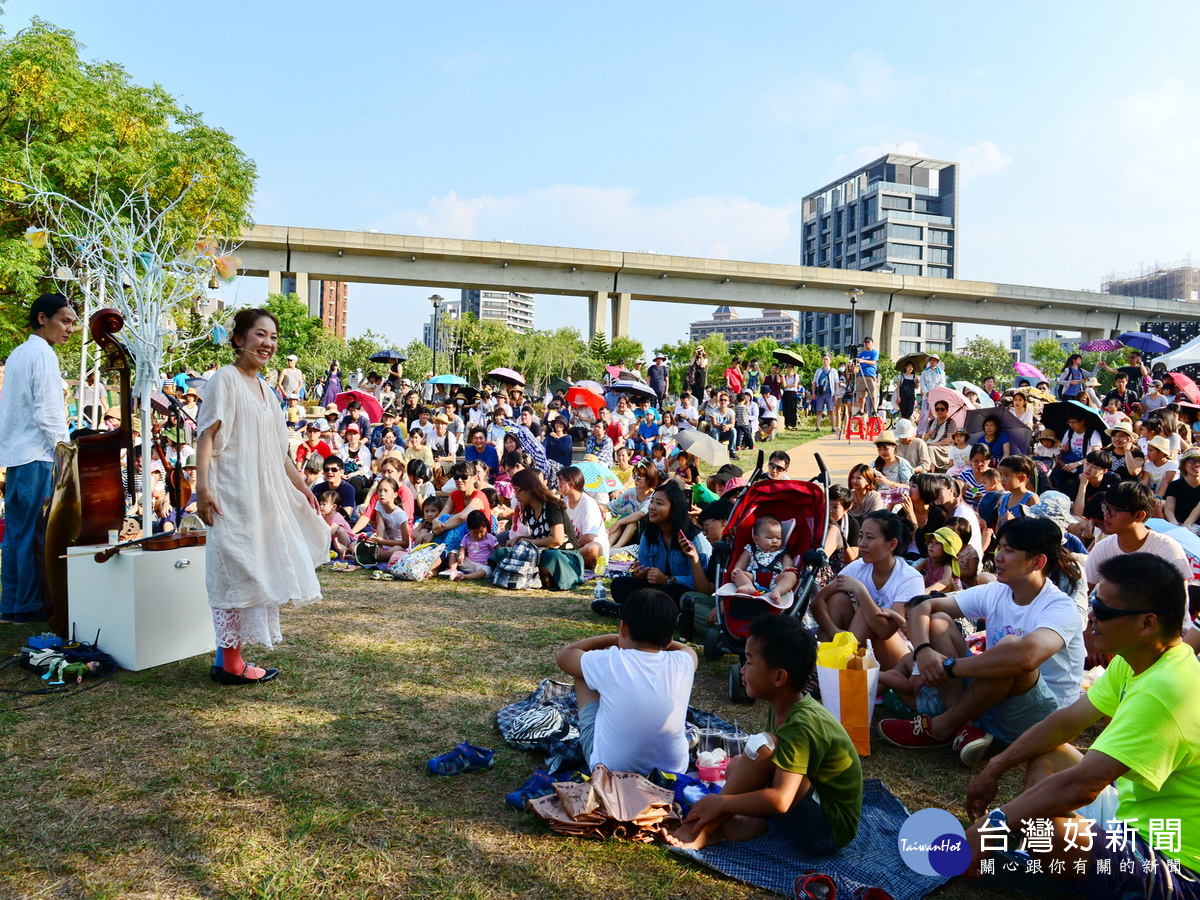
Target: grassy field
[(162, 784)]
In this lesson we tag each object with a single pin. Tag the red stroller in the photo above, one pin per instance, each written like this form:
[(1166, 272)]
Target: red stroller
[(803, 509)]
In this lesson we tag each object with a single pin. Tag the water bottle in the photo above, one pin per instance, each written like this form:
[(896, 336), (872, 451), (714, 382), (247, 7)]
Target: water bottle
[(599, 593)]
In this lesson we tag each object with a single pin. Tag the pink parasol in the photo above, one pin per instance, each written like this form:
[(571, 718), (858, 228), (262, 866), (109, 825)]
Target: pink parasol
[(1102, 346), (1026, 370), (956, 401), (508, 376), (1185, 386), (367, 401)]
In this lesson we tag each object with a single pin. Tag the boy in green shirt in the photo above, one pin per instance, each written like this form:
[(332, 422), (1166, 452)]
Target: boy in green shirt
[(812, 783)]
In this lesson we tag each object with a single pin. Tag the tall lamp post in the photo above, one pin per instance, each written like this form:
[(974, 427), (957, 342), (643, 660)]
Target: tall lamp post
[(854, 294), (436, 300)]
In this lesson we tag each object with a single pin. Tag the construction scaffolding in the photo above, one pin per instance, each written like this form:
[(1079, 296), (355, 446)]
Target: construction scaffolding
[(1180, 281)]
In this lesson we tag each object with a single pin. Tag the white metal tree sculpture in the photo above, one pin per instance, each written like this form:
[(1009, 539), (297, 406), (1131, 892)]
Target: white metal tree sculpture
[(152, 270)]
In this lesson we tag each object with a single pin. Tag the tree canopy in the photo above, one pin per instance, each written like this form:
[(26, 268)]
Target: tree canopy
[(71, 125)]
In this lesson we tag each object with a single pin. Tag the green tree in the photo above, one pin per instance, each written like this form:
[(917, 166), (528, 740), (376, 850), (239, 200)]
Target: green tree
[(419, 364), (979, 358), (1049, 356), (761, 350), (598, 346), (75, 124), (625, 350)]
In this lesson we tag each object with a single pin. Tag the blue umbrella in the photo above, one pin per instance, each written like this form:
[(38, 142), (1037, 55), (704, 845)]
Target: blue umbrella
[(1147, 343), (447, 379), (1186, 539)]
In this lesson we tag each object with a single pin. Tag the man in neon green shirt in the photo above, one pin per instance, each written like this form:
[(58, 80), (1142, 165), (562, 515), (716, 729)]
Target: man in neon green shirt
[(1151, 749)]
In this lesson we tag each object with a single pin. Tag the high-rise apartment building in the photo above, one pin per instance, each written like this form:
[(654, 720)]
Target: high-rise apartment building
[(1023, 340), (898, 214), (772, 324), (513, 309), (328, 299)]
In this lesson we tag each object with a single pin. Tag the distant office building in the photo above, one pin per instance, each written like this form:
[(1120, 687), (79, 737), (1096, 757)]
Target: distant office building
[(1023, 340), (450, 309), (209, 305), (330, 300), (771, 324), (513, 309), (1180, 282), (897, 214)]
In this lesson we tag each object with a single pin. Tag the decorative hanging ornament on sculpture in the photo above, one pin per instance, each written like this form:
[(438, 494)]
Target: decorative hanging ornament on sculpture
[(227, 267), (36, 236)]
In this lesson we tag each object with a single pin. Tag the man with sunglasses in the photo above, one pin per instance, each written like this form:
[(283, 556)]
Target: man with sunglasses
[(1150, 847), (1127, 506), (335, 481)]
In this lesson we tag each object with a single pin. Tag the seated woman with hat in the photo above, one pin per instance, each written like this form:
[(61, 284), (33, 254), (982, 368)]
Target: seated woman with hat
[(911, 448)]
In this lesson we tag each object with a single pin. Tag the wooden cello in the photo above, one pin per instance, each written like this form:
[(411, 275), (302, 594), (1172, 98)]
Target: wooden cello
[(90, 495)]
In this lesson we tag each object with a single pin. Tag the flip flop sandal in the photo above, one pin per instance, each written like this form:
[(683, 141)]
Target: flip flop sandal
[(463, 758)]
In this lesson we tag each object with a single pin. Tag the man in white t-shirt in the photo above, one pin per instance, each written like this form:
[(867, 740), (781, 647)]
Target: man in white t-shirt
[(632, 688), (686, 414), (1034, 657), (1127, 506)]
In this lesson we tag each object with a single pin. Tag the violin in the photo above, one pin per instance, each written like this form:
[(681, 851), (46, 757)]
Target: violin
[(172, 540)]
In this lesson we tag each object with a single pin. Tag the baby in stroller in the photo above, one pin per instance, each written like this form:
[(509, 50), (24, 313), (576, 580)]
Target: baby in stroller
[(765, 569)]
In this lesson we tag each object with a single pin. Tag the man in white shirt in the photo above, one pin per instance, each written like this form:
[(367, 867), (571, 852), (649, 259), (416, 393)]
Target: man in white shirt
[(686, 414), (1127, 506), (1034, 657), (33, 422), (632, 688)]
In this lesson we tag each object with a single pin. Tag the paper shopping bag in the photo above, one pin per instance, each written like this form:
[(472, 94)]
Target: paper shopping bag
[(849, 695)]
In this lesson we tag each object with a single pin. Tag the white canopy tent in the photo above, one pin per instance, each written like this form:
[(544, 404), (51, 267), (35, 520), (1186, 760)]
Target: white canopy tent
[(1186, 355)]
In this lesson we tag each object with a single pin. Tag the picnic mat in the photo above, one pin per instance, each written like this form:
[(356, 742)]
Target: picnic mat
[(547, 721), (872, 859)]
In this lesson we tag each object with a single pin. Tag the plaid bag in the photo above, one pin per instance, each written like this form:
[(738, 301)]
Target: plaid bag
[(518, 570)]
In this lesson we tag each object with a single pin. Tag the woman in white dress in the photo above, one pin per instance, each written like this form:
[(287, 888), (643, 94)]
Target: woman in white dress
[(265, 537)]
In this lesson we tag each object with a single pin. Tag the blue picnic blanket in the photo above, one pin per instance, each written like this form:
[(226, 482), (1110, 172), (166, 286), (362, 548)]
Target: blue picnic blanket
[(872, 859)]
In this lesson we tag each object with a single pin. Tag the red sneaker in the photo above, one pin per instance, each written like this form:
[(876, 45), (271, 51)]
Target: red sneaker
[(971, 744), (911, 733), (815, 887)]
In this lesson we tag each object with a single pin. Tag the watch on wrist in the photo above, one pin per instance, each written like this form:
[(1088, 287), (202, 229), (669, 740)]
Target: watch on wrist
[(948, 666)]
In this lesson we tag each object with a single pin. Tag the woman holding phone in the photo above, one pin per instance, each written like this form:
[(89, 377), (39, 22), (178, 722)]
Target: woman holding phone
[(662, 561)]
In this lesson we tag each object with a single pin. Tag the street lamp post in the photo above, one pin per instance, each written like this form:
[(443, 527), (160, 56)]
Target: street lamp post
[(436, 300), (853, 294)]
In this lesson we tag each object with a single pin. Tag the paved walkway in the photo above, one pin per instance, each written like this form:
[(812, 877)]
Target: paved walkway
[(839, 456)]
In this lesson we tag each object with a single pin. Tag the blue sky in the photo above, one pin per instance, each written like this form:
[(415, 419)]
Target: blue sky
[(685, 128)]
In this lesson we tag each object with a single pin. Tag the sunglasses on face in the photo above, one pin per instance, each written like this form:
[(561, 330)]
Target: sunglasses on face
[(1101, 612), (777, 468), (332, 471), (461, 477)]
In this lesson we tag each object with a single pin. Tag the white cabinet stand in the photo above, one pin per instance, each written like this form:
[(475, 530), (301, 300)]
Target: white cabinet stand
[(151, 607)]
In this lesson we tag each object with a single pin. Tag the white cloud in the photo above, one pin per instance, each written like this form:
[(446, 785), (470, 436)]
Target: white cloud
[(611, 219), (984, 158)]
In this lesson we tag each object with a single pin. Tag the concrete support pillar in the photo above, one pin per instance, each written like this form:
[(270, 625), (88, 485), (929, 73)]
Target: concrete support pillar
[(620, 315), (302, 293), (870, 325), (1096, 334), (274, 282), (889, 335), (597, 314)]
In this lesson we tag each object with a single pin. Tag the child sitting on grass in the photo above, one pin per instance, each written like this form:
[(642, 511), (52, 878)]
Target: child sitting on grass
[(431, 508), (391, 521), (339, 528), (765, 560), (632, 688), (940, 565), (470, 561), (813, 758)]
